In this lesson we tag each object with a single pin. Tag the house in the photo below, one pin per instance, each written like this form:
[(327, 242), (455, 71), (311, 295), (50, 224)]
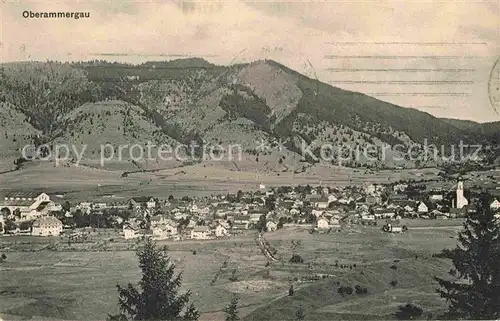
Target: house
[(368, 217), (495, 205), (408, 208), (220, 231), (46, 226), (393, 229), (440, 215), (130, 230), (192, 224), (436, 196), (399, 199), (200, 233), (321, 203), (158, 219), (422, 208), (241, 222), (369, 189), (271, 226), (84, 207), (317, 213), (400, 188), (322, 223), (142, 201), (334, 220), (312, 198), (382, 213), (164, 230), (255, 217), (241, 219), (99, 206), (332, 198)]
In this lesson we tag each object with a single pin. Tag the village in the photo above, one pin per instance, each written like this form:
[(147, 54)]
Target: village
[(318, 208)]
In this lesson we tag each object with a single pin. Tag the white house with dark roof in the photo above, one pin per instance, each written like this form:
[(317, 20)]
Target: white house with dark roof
[(130, 230), (140, 201), (422, 208)]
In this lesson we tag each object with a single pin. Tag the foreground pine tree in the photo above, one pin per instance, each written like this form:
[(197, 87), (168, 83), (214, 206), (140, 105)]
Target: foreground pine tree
[(232, 309), (156, 297), (476, 292)]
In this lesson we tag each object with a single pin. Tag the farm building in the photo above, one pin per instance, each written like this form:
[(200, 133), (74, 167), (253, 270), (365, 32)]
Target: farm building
[(146, 201), (46, 226), (30, 204)]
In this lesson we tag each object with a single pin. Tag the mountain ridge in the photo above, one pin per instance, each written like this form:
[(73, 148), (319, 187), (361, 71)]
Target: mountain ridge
[(194, 100)]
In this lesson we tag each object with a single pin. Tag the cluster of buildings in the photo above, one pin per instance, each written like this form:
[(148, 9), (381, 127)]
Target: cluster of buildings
[(33, 207), (266, 209)]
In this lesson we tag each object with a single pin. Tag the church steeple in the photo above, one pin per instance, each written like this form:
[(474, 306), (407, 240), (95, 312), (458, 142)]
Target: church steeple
[(461, 200)]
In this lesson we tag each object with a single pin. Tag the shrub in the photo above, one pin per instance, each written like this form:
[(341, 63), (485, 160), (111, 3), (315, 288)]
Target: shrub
[(296, 259), (340, 291), (394, 282), (394, 267), (408, 312), (360, 290), (345, 290)]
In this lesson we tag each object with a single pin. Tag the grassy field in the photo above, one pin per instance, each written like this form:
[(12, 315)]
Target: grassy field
[(58, 281), (83, 182)]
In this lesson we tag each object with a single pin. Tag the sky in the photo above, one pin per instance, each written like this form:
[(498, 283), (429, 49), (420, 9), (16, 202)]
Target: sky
[(433, 55)]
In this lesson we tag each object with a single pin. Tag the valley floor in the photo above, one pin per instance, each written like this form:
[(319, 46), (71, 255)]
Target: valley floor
[(47, 278), (83, 183)]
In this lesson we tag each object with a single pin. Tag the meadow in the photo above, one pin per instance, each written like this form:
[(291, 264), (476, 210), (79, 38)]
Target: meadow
[(47, 278), (79, 183)]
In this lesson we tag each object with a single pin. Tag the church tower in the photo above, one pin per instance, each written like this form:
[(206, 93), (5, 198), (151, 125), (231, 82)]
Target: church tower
[(461, 200)]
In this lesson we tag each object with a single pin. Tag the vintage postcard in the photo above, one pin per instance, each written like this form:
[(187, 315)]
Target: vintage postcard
[(250, 160)]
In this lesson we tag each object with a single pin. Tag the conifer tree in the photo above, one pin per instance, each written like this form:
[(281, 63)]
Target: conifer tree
[(474, 291), (232, 309), (156, 297)]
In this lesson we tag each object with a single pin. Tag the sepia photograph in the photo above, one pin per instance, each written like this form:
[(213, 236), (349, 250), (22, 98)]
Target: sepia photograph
[(249, 160)]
